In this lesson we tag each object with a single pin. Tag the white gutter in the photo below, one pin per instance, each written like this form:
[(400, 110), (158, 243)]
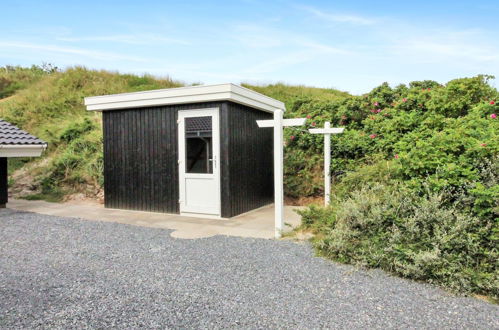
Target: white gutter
[(24, 150)]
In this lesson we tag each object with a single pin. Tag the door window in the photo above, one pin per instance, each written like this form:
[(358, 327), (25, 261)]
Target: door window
[(198, 145)]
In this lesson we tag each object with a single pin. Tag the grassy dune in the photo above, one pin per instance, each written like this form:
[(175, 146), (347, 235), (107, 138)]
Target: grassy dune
[(49, 104)]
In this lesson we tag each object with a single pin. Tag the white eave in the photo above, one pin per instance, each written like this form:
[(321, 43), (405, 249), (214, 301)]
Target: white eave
[(183, 95), (22, 150)]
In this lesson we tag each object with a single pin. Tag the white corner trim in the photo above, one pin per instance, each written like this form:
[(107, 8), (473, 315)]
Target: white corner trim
[(183, 95), (22, 150)]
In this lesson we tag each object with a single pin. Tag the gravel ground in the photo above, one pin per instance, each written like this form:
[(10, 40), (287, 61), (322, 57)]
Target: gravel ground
[(68, 273)]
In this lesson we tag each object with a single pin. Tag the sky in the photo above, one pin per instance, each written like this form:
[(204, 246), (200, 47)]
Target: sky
[(349, 45)]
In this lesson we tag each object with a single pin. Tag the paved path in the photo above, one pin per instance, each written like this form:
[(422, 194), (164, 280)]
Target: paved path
[(69, 273), (258, 223)]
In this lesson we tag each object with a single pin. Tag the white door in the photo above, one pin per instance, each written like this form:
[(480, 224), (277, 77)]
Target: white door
[(199, 166)]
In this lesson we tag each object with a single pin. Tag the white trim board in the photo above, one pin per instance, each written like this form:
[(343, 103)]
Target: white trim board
[(327, 130), (183, 95), (22, 150)]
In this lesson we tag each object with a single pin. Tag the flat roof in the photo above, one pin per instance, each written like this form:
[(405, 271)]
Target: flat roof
[(184, 95)]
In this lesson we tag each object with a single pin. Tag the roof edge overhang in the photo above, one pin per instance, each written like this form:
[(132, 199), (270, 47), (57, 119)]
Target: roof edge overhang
[(31, 150), (184, 95)]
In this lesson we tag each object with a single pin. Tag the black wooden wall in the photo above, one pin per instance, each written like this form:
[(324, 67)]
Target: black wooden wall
[(247, 173), (141, 152), (4, 196)]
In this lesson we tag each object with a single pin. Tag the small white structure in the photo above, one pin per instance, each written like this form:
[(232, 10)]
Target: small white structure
[(327, 131), (278, 123)]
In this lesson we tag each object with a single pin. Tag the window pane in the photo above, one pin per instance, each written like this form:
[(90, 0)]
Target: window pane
[(198, 145)]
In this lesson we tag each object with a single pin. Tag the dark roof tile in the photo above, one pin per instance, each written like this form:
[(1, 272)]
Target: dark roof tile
[(12, 135)]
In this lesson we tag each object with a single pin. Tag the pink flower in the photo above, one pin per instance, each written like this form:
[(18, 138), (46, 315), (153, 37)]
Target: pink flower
[(376, 103), (429, 89), (372, 136), (396, 156), (292, 137), (404, 100), (492, 103), (483, 144), (378, 111), (309, 116), (493, 116), (313, 124)]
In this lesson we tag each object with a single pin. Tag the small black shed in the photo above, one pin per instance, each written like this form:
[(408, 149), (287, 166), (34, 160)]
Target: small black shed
[(192, 150), (15, 142)]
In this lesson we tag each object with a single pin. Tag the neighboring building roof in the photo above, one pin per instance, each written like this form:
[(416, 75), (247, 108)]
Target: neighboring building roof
[(12, 135), (14, 142), (183, 95)]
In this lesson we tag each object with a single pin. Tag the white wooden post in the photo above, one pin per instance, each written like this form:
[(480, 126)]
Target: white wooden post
[(278, 172), (327, 131), (278, 123), (327, 165)]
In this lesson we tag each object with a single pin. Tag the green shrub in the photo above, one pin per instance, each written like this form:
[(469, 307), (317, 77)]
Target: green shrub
[(77, 129), (412, 129), (461, 95), (419, 237)]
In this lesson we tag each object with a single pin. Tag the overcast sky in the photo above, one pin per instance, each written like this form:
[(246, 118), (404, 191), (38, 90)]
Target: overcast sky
[(349, 45)]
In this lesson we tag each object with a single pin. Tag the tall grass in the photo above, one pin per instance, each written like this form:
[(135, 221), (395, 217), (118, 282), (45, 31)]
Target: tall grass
[(292, 96), (49, 104)]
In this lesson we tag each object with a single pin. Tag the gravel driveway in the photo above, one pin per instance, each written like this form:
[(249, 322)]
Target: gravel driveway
[(68, 273)]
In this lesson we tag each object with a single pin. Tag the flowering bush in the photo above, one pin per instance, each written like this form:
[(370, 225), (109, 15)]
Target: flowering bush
[(434, 150), (439, 134)]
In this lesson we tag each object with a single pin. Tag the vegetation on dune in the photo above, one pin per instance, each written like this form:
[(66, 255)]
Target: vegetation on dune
[(417, 182), (294, 96), (13, 79), (49, 104), (416, 173)]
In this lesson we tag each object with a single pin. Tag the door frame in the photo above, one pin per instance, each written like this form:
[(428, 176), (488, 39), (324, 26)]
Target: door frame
[(203, 112)]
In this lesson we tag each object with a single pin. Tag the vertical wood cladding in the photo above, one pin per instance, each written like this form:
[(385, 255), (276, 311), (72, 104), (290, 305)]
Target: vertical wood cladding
[(4, 195), (140, 157), (141, 153), (247, 173)]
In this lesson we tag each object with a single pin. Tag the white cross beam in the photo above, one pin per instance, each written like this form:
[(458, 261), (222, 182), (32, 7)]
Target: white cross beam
[(278, 123), (327, 131)]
